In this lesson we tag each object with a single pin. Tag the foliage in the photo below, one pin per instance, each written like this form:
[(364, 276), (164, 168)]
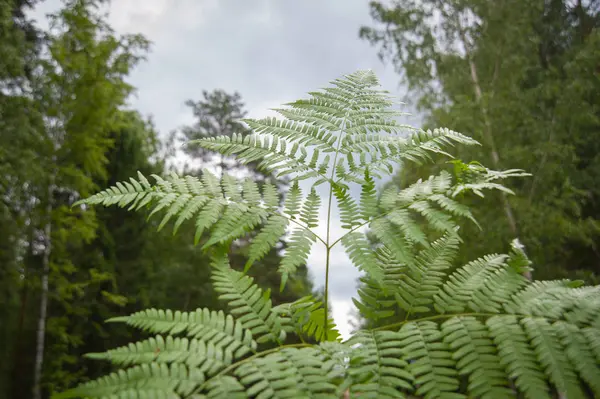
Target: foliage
[(488, 330), (532, 102)]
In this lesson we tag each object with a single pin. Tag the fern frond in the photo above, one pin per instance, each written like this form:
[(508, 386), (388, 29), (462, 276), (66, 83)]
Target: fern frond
[(361, 254), (271, 152), (517, 356), (475, 177), (551, 355), (389, 236), (368, 198), (227, 206), (579, 353), (377, 368), (313, 117), (307, 316), (310, 210), (415, 291), (289, 373), (417, 148), (144, 381), (296, 253), (458, 291), (266, 239), (248, 303), (205, 355), (348, 208), (204, 324), (429, 361), (476, 356), (293, 201), (224, 386), (306, 134)]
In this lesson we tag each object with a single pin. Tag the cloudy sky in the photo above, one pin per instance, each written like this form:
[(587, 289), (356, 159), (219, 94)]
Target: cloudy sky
[(271, 51)]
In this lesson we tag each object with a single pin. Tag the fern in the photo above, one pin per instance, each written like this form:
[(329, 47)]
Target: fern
[(476, 330)]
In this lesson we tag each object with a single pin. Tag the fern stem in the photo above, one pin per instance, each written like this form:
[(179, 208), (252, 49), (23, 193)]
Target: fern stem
[(327, 246), (249, 358)]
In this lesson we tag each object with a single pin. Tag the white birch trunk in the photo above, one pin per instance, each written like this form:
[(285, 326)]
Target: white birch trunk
[(41, 325)]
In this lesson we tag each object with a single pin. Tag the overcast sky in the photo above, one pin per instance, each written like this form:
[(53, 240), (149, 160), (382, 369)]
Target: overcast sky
[(270, 51)]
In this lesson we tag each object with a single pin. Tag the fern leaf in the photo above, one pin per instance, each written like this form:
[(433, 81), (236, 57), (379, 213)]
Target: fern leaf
[(296, 253), (348, 208), (146, 380), (408, 226), (266, 239), (429, 360), (368, 198), (208, 357), (318, 119), (293, 201), (458, 290), (476, 356), (423, 278), (517, 356), (270, 196), (249, 304), (579, 354), (549, 350), (204, 324), (306, 134), (307, 315), (271, 153), (376, 368), (361, 254), (388, 235), (224, 386), (236, 222), (310, 211)]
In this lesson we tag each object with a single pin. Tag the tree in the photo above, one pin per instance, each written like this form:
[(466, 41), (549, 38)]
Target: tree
[(494, 333), (530, 102), (218, 113), (58, 106)]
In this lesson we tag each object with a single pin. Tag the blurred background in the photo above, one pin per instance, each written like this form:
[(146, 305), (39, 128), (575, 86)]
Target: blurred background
[(93, 91)]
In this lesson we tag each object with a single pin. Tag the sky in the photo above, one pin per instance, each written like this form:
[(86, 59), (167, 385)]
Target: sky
[(270, 51)]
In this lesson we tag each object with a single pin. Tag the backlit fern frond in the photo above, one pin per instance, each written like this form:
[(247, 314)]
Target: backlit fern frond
[(552, 356), (385, 151), (517, 356), (376, 368), (153, 380), (480, 330), (307, 318), (429, 360), (224, 386), (248, 303), (220, 329), (476, 356), (376, 293), (416, 289), (289, 373), (197, 353)]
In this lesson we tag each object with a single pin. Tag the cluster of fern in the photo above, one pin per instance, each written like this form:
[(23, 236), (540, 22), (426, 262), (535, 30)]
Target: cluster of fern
[(479, 330)]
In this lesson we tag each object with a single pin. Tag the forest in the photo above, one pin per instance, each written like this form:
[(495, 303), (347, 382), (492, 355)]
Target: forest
[(520, 82)]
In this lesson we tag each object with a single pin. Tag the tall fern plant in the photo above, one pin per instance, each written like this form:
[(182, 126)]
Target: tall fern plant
[(479, 330)]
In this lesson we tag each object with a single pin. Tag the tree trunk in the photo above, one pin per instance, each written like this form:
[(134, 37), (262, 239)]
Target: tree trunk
[(41, 328)]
